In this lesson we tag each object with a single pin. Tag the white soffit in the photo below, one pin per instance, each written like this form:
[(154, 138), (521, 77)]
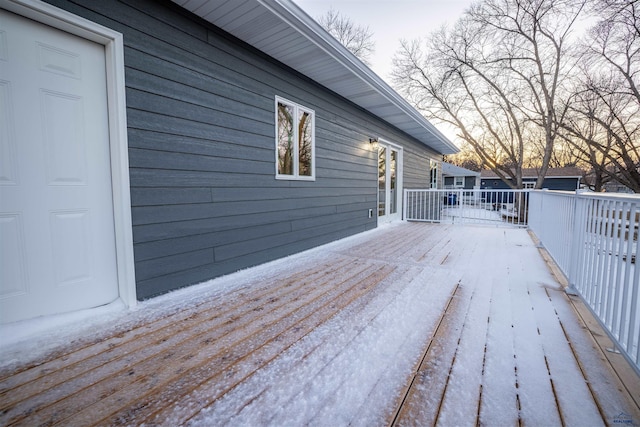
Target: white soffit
[(285, 32)]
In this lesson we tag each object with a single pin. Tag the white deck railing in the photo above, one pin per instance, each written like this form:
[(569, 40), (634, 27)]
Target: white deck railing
[(494, 207), (594, 240)]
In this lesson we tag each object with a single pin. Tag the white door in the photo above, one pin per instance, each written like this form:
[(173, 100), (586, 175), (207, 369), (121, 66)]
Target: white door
[(57, 237), (389, 183)]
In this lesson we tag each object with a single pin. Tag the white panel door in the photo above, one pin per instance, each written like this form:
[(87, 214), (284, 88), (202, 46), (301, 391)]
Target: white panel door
[(57, 242)]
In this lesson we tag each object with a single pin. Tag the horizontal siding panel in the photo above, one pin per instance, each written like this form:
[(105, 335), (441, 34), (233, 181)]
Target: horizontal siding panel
[(160, 231), (159, 285), (354, 213), (214, 98), (205, 80), (171, 264), (361, 207), (293, 192), (162, 248), (345, 150), (185, 178), (206, 147), (287, 207), (166, 106), (169, 196), (336, 160), (339, 173), (166, 12), (149, 250), (144, 120), (182, 178), (234, 250), (228, 71), (152, 159)]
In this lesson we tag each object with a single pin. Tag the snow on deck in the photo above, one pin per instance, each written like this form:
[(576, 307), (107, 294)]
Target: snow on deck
[(408, 324)]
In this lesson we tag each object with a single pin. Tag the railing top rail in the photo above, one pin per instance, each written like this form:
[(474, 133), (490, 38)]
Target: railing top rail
[(591, 195), (482, 190), (613, 196)]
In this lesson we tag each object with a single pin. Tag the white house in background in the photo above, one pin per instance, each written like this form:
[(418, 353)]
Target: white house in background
[(459, 178)]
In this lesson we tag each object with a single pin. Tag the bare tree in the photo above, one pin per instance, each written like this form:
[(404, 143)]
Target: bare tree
[(498, 77), (466, 158), (604, 112), (356, 38)]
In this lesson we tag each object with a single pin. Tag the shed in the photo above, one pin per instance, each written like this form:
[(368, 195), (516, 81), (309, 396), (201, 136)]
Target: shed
[(153, 144)]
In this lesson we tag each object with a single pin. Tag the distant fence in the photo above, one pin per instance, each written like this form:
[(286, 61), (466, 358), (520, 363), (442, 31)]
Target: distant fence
[(489, 207), (594, 240)]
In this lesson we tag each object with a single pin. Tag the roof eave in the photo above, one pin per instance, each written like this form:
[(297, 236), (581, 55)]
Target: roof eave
[(380, 96)]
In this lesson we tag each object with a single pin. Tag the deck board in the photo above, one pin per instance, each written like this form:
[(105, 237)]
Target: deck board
[(569, 383), (499, 400), (498, 344)]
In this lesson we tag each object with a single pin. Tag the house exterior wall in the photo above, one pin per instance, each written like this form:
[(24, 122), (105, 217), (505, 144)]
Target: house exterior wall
[(469, 182), (416, 165), (201, 130), (566, 184)]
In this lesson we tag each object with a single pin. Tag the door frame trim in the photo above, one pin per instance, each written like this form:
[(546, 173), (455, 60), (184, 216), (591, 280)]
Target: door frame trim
[(399, 181), (116, 108)]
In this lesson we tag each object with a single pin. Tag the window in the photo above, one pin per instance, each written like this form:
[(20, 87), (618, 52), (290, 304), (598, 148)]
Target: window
[(458, 182), (433, 170), (530, 184), (295, 141)]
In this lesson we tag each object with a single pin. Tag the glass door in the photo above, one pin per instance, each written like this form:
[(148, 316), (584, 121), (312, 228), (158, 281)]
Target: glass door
[(389, 183)]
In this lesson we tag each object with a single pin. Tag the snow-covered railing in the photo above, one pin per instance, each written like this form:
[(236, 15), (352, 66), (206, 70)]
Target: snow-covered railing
[(497, 207), (593, 237)]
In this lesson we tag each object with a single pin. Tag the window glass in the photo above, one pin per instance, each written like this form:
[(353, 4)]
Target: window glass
[(306, 140), (285, 139), (433, 169), (294, 141), (393, 207), (382, 180)]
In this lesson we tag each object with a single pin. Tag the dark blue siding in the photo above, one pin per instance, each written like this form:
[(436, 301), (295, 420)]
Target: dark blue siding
[(568, 184), (200, 111)]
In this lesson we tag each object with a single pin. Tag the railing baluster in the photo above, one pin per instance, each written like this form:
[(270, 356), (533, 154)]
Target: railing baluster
[(611, 279), (609, 263), (634, 329), (496, 207), (627, 289), (594, 240)]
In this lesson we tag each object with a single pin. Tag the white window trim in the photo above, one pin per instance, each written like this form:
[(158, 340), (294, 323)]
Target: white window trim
[(296, 170), (118, 142)]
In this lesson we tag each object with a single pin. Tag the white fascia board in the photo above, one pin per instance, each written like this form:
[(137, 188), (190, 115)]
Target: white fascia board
[(294, 16)]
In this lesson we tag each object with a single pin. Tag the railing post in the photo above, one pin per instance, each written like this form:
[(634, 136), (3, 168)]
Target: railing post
[(576, 249), (405, 200)]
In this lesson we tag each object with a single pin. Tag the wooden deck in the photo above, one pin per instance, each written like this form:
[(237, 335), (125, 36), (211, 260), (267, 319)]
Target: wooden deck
[(500, 344)]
